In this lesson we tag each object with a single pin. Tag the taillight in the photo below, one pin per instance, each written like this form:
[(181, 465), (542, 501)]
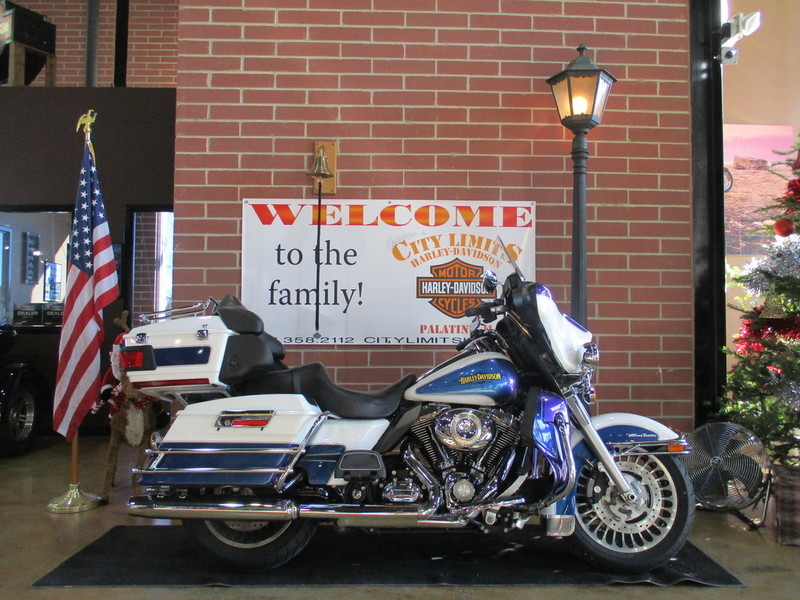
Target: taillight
[(131, 359), (138, 358)]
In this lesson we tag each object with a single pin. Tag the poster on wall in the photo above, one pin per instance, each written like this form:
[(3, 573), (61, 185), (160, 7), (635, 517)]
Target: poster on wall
[(390, 272)]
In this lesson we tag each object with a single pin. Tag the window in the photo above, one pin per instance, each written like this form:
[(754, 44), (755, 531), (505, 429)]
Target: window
[(33, 266)]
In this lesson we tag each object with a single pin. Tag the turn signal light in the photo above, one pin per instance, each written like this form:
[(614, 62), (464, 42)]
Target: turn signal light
[(676, 448)]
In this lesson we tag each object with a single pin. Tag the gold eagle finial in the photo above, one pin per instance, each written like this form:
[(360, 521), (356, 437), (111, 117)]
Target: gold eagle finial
[(86, 120)]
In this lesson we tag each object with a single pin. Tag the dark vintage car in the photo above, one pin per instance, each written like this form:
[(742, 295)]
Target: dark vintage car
[(25, 398)]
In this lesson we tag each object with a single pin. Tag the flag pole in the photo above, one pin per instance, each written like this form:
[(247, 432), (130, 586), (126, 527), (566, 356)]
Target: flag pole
[(75, 500)]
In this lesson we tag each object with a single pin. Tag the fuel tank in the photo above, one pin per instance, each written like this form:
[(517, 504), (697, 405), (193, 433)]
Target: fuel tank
[(473, 378)]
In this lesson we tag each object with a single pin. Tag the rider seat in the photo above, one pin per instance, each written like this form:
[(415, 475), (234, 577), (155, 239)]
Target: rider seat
[(312, 380)]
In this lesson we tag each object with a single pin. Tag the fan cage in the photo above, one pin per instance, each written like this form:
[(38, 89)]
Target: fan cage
[(728, 465)]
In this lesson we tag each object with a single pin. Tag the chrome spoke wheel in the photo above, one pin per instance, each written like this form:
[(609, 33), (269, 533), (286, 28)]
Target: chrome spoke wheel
[(251, 545), (247, 534), (628, 528)]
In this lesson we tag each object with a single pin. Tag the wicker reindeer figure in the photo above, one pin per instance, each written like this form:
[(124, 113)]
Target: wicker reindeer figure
[(132, 416)]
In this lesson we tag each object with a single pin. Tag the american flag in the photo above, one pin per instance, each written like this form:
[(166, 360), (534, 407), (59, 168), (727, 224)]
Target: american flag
[(91, 286)]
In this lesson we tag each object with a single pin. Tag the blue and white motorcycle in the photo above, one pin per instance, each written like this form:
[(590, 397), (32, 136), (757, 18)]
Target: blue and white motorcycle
[(497, 438)]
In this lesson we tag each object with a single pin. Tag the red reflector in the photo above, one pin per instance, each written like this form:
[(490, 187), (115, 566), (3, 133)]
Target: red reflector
[(250, 423), (676, 448), (169, 383), (131, 360)]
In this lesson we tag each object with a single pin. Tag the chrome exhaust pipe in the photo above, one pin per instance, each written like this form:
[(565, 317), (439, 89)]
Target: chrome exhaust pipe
[(349, 515), (346, 515), (194, 508)]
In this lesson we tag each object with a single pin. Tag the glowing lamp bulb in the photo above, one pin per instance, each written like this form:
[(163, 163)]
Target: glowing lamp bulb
[(579, 105)]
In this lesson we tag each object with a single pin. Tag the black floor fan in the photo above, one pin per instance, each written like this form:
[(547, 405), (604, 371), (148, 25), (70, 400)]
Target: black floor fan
[(730, 470)]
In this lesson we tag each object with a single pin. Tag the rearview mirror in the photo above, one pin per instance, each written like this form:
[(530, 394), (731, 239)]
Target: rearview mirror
[(490, 281)]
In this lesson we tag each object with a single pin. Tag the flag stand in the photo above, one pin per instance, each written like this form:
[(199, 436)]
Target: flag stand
[(74, 500)]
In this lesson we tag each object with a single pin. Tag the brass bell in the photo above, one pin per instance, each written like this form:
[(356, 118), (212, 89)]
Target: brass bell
[(320, 168)]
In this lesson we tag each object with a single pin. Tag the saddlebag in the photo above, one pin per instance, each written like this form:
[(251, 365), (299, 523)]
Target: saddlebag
[(255, 441)]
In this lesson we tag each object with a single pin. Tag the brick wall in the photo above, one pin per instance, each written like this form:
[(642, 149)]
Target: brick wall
[(446, 99), (70, 21), (145, 262), (152, 41)]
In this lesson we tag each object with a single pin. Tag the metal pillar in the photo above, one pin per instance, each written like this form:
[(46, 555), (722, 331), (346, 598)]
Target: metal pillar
[(92, 27)]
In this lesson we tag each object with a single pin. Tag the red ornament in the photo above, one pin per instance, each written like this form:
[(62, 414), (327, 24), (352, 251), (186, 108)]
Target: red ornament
[(784, 227)]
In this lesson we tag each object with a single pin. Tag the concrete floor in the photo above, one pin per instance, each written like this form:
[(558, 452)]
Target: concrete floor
[(33, 541)]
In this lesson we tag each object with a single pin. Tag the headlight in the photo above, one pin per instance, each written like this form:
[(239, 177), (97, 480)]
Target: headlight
[(591, 355)]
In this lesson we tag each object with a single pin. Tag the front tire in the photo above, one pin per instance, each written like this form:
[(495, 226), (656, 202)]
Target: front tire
[(251, 546), (622, 538)]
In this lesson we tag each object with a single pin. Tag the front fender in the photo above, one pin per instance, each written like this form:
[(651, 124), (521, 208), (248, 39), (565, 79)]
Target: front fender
[(622, 428), (615, 428)]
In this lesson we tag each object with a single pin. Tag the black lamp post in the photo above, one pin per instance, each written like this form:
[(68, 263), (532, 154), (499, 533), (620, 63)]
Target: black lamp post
[(580, 92), (319, 171)]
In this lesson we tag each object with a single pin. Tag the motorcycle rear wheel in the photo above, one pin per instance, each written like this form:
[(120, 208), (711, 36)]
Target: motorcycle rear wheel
[(621, 538), (251, 546)]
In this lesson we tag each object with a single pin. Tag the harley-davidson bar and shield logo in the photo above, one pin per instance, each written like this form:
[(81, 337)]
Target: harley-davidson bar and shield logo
[(453, 287)]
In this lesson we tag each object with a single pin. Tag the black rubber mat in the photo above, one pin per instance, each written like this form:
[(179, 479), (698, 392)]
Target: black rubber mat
[(164, 556)]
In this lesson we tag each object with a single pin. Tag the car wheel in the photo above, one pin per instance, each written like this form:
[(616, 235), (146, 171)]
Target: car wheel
[(19, 423)]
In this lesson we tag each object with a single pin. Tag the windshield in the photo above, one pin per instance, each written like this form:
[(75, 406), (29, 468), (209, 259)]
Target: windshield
[(511, 259)]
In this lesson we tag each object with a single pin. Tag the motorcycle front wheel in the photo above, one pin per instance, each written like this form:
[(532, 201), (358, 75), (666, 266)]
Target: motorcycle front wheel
[(633, 538), (250, 546)]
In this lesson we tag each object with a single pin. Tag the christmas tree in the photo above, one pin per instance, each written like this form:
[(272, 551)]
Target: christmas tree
[(763, 387)]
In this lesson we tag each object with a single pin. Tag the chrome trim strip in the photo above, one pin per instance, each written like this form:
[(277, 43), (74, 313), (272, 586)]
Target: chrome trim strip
[(193, 470), (201, 451)]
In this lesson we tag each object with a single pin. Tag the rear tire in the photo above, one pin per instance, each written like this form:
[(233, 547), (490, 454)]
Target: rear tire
[(632, 539), (251, 546)]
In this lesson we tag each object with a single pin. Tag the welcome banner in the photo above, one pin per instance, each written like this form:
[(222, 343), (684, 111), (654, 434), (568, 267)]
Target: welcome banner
[(391, 272)]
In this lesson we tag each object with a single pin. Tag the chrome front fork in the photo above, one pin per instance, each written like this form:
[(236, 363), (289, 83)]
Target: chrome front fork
[(584, 423)]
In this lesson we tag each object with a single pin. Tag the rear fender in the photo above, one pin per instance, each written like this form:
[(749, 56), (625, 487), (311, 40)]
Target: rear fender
[(620, 431)]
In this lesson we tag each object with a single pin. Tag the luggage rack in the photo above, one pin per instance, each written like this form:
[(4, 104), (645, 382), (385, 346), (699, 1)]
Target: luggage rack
[(204, 307)]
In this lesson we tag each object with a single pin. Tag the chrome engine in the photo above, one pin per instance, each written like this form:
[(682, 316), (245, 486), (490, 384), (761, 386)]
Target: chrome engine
[(464, 429), (468, 450)]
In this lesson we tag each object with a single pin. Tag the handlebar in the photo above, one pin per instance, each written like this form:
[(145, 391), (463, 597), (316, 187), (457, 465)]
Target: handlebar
[(488, 311), (463, 343)]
